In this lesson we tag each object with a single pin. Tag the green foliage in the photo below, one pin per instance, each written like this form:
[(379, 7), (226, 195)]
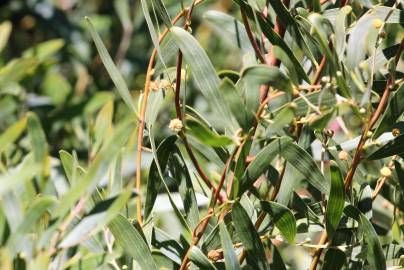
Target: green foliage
[(277, 141)]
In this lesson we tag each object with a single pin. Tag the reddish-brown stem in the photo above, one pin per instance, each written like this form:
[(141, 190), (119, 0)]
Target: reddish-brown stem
[(251, 37)]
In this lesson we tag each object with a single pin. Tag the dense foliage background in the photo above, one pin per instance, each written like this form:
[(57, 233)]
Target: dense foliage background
[(217, 134)]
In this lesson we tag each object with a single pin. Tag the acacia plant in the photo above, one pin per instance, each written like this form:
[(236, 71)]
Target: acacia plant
[(289, 157)]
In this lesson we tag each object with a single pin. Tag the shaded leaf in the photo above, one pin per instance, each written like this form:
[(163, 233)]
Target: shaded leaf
[(230, 258), (249, 237), (112, 70), (132, 242), (282, 217), (335, 205)]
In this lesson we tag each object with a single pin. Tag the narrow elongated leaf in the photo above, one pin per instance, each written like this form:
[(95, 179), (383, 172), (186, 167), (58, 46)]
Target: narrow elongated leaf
[(249, 237), (304, 163), (206, 135), (5, 31), (261, 162), (335, 205), (283, 219), (394, 147), (112, 70), (152, 30), (199, 259), (37, 138), (15, 178), (95, 222), (12, 133), (204, 75), (340, 31), (162, 11), (375, 254), (263, 74), (154, 180), (34, 213), (230, 258), (103, 125), (229, 28), (393, 111), (132, 242), (334, 259), (233, 99), (98, 168)]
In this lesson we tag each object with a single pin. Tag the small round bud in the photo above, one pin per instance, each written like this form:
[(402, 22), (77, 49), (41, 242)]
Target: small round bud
[(369, 134), (385, 172), (395, 132), (215, 255), (339, 73), (383, 34), (176, 125), (325, 79), (164, 84), (328, 85), (154, 86), (343, 155), (363, 65), (377, 23), (362, 110), (293, 105)]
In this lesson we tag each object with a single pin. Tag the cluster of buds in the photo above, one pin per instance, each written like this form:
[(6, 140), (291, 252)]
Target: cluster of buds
[(176, 125), (162, 84)]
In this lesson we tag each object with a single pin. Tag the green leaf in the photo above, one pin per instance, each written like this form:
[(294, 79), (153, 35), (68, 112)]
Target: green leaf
[(304, 163), (98, 168), (340, 30), (205, 135), (16, 70), (162, 11), (103, 125), (230, 257), (199, 259), (38, 208), (37, 138), (152, 30), (261, 162), (15, 178), (357, 42), (5, 31), (132, 242), (12, 133), (334, 259), (249, 237), (393, 111), (277, 261), (335, 205), (229, 28), (95, 222), (154, 180), (263, 74), (180, 173), (204, 75), (394, 147), (111, 68), (283, 219), (235, 102), (45, 49), (375, 254)]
